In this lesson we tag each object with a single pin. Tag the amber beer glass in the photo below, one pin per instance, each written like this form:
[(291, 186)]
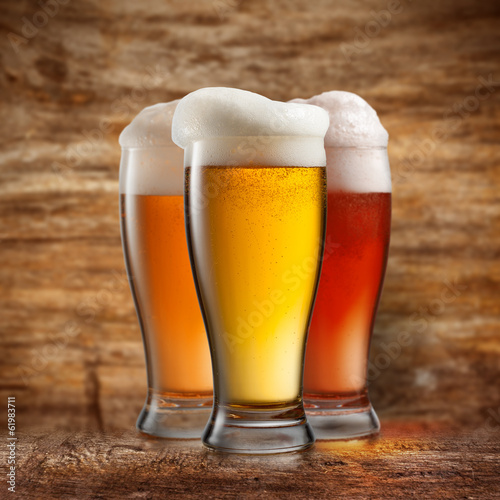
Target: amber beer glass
[(355, 258), (356, 249), (157, 260), (255, 211)]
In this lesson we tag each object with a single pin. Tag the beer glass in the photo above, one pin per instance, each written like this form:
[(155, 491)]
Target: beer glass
[(178, 363), (255, 212), (355, 258)]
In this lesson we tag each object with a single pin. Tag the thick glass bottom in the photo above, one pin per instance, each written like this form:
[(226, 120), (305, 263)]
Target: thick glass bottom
[(174, 417), (258, 431), (342, 418)]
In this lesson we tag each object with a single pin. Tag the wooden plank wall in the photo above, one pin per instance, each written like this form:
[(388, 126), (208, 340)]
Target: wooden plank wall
[(71, 351)]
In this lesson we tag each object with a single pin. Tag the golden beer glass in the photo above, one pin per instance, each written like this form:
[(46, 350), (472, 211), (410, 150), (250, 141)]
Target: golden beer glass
[(255, 213)]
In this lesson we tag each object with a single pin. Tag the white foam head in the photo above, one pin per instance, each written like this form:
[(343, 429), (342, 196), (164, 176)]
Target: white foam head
[(222, 126), (151, 127), (151, 163), (355, 144), (353, 122)]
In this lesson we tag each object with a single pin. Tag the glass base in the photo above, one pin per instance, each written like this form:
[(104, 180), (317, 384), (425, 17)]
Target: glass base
[(176, 418), (342, 419), (258, 431)]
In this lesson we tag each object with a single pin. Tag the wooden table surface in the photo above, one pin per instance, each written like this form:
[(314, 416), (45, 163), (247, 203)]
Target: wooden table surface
[(408, 460), (71, 351)]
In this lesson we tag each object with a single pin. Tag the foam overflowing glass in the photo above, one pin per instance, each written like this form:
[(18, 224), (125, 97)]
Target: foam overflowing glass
[(255, 206), (179, 396)]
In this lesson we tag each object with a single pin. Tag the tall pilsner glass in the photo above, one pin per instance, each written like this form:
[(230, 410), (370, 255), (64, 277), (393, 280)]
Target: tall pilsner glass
[(157, 260), (356, 249), (255, 224)]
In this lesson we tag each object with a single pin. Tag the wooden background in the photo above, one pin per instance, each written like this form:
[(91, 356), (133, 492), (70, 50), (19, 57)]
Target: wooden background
[(71, 350)]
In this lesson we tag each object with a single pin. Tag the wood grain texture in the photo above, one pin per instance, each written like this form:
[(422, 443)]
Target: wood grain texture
[(410, 461), (71, 351)]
